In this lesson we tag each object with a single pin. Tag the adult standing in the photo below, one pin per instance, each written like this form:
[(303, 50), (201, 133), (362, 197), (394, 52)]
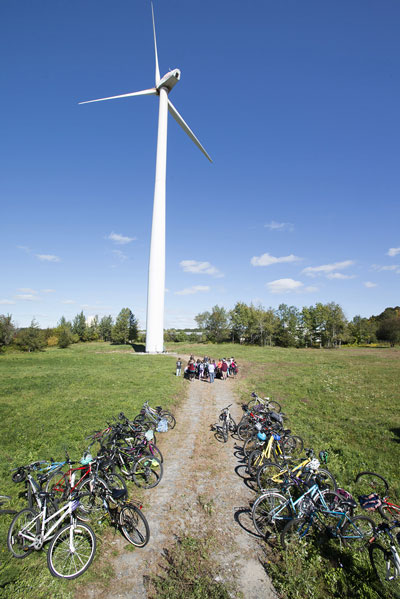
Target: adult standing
[(224, 369), (178, 367), (211, 371)]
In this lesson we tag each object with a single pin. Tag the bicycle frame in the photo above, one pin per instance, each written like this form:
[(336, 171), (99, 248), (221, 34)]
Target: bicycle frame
[(37, 540), (61, 487)]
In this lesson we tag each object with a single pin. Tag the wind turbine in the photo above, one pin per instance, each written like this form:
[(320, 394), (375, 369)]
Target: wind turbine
[(156, 281)]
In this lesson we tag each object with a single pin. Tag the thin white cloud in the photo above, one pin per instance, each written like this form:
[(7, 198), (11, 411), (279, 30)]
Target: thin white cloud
[(267, 259), (48, 290), (6, 302), (325, 269), (369, 284), (200, 268), (120, 239), (120, 255), (24, 248), (26, 290), (68, 301), (339, 275), (48, 258), (95, 307), (29, 297), (193, 290), (393, 251), (274, 226), (391, 267)]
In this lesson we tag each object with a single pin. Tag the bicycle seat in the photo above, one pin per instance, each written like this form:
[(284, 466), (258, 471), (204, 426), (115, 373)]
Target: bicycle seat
[(118, 493)]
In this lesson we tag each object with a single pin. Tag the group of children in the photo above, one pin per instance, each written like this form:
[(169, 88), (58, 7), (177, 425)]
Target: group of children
[(207, 369)]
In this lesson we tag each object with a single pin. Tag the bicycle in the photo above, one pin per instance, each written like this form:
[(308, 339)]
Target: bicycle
[(155, 416), (270, 474), (386, 561), (72, 547), (371, 483), (228, 424), (272, 509), (126, 516), (268, 403)]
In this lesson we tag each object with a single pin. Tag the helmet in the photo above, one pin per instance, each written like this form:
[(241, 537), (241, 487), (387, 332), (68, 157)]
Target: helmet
[(323, 456), (262, 436)]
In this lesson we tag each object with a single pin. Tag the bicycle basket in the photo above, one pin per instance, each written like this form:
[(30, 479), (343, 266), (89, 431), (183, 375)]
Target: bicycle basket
[(162, 426), (149, 435)]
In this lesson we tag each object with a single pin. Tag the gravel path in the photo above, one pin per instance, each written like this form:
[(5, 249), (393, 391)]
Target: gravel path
[(200, 492)]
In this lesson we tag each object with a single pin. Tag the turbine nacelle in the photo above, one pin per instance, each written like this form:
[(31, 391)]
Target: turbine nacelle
[(169, 80)]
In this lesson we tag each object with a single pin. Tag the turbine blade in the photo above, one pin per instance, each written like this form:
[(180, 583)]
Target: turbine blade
[(155, 48), (173, 111), (144, 92)]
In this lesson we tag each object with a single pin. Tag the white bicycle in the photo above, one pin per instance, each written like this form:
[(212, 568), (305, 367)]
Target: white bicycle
[(72, 547)]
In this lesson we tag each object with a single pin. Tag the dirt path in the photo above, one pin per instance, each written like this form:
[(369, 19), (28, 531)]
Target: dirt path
[(200, 492)]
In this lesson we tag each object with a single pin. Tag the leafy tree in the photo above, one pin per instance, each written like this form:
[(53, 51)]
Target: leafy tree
[(105, 327), (217, 325), (239, 322), (31, 338), (125, 328), (289, 325), (263, 325), (79, 326), (362, 330), (389, 330), (7, 330)]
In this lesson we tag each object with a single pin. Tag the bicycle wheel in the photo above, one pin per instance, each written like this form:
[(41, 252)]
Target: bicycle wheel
[(134, 525), (250, 445), (269, 513), (245, 430), (296, 530), (274, 406), (325, 480), (232, 425), (57, 483), (357, 532), (170, 418), (17, 543), (115, 481), (254, 462), (370, 482), (91, 494), (224, 429), (269, 475), (147, 472), (384, 566), (292, 446), (71, 551)]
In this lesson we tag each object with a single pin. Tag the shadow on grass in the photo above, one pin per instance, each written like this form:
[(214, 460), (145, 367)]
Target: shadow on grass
[(396, 432), (138, 347)]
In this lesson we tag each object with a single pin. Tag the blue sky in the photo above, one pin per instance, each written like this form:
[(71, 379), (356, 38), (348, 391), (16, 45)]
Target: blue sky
[(296, 102)]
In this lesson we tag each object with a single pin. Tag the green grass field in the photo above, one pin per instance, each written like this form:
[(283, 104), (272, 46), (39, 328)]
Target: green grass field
[(52, 400), (345, 401)]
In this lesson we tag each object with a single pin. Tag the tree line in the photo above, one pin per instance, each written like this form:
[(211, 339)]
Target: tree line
[(123, 330), (321, 325)]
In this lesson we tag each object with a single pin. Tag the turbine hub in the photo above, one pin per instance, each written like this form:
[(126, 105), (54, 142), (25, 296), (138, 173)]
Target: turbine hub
[(169, 80)]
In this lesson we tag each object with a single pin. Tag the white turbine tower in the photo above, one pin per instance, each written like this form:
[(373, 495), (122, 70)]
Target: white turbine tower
[(156, 284)]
